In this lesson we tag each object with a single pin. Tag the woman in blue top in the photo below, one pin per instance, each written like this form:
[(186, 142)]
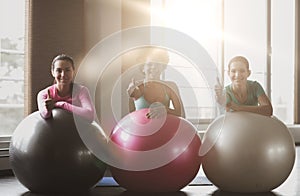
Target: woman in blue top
[(154, 93), (243, 94)]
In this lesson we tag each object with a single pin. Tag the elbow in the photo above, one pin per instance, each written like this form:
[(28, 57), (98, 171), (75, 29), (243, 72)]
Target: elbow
[(46, 115), (90, 117), (269, 111), (90, 120), (182, 114)]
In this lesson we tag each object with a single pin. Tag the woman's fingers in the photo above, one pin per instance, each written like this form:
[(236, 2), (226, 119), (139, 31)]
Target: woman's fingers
[(133, 85), (49, 103), (48, 94)]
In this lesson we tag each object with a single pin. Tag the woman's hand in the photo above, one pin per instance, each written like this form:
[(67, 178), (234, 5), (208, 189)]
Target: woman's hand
[(49, 102), (133, 87), (232, 107), (219, 91), (157, 110)]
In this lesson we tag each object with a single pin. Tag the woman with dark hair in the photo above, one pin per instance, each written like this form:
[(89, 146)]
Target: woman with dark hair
[(64, 93), (152, 92)]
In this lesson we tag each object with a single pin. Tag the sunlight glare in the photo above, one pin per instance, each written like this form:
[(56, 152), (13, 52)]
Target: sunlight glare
[(197, 18)]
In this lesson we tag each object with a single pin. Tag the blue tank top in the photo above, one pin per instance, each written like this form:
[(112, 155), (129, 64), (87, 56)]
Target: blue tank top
[(142, 103)]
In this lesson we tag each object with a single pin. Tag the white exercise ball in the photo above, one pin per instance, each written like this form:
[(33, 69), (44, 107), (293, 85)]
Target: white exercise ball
[(247, 152)]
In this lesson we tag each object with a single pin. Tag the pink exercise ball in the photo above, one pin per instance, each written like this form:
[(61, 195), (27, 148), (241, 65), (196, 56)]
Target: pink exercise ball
[(158, 155), (247, 153)]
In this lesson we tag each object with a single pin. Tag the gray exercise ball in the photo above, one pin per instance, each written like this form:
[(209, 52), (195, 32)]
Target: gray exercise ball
[(48, 155), (247, 152)]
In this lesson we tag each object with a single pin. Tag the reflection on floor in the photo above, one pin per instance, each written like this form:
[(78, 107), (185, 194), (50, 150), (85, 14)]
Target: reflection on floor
[(10, 186)]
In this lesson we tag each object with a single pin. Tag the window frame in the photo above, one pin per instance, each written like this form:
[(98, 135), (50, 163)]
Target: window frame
[(268, 58)]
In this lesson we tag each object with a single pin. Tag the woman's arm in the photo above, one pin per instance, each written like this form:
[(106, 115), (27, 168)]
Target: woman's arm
[(131, 105), (176, 100), (85, 110), (264, 107), (134, 89), (45, 103), (220, 93)]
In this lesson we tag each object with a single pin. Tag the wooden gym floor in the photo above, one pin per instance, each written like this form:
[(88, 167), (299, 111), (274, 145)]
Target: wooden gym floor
[(9, 186)]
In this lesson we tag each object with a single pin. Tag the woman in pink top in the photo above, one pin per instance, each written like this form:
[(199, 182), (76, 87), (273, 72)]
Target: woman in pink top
[(64, 93)]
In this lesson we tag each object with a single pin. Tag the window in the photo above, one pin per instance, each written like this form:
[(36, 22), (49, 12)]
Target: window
[(12, 34), (282, 59), (199, 19), (226, 28)]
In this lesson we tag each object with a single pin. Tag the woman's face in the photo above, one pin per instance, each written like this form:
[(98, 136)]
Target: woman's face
[(153, 70), (238, 73), (63, 72)]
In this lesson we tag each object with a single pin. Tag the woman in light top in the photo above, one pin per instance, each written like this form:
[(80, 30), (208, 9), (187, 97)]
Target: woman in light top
[(64, 93), (243, 94)]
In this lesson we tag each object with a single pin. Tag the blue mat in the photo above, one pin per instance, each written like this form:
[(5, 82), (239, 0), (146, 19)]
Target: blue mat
[(107, 181), (198, 181)]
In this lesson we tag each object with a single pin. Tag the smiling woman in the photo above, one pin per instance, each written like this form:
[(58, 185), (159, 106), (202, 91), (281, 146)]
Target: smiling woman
[(243, 94), (152, 92), (64, 93)]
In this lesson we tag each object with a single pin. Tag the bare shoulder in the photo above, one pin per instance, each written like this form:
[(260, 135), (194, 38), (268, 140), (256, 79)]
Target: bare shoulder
[(139, 82), (172, 86)]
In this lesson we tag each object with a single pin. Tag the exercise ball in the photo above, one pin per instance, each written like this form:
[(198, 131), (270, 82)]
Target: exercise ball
[(158, 155), (247, 152), (48, 155)]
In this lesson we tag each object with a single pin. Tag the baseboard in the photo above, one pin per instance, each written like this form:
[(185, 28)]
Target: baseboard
[(295, 131), (4, 163), (6, 172)]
